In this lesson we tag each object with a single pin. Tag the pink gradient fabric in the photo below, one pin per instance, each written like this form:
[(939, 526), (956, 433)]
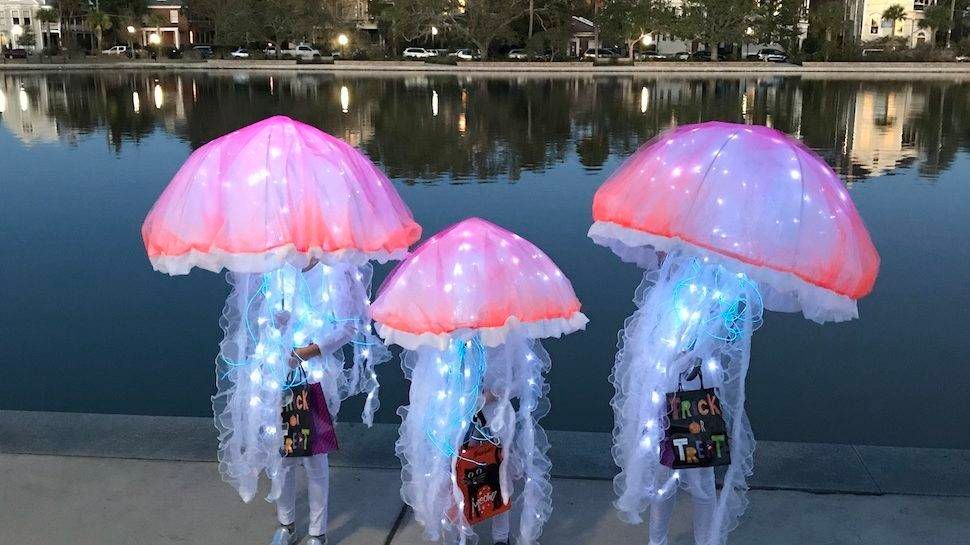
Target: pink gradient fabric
[(475, 278), (749, 193), (273, 192)]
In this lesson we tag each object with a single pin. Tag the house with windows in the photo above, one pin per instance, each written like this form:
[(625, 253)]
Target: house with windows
[(18, 17), (868, 24), (173, 26)]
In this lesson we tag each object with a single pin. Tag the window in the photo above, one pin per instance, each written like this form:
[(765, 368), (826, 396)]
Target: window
[(919, 5), (26, 21), (874, 27), (16, 20), (173, 15), (888, 24)]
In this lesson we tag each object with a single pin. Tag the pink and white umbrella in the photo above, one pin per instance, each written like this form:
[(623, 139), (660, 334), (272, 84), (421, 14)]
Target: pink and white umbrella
[(728, 219), (294, 215), (469, 306)]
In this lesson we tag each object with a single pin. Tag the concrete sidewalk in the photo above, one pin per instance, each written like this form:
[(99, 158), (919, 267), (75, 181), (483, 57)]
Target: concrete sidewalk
[(805, 467), (46, 500)]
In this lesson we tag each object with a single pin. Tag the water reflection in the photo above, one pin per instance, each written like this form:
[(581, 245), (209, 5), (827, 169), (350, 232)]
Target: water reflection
[(494, 127), (72, 231)]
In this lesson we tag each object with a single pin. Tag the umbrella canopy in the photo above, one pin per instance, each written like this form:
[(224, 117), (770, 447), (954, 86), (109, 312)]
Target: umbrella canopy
[(752, 198), (275, 192), (475, 278)]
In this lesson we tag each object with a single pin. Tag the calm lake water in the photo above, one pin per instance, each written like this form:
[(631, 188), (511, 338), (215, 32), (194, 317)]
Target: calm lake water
[(88, 326)]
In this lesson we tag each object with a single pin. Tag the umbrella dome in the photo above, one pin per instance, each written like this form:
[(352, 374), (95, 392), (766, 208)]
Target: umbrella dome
[(277, 191), (475, 278), (751, 198)]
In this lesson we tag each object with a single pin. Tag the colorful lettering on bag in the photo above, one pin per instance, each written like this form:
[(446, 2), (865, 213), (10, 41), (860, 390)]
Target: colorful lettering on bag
[(696, 433), (679, 443), (718, 441), (302, 404), (712, 401)]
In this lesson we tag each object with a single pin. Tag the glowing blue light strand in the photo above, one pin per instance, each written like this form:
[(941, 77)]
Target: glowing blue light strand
[(457, 418)]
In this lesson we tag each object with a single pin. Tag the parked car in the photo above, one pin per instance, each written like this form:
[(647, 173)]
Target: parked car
[(682, 56), (467, 54), (116, 50), (961, 58), (772, 55), (204, 51), (518, 55), (419, 53), (700, 56), (15, 53), (650, 56), (591, 53), (239, 53), (301, 51), (173, 53), (872, 51)]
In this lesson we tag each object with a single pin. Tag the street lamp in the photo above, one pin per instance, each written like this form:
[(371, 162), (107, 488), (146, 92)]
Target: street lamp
[(343, 40), (15, 31), (647, 39), (131, 38), (155, 40), (434, 32)]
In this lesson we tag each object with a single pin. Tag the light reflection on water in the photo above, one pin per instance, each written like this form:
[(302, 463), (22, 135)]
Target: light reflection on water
[(83, 158)]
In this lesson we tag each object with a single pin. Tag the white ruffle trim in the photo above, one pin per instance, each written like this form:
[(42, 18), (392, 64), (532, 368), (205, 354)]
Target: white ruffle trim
[(490, 336), (780, 291), (270, 260)]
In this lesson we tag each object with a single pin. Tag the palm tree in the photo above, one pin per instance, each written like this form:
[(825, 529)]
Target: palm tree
[(46, 17), (99, 21), (894, 13), (938, 18)]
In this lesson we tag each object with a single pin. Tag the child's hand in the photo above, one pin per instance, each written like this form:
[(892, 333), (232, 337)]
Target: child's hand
[(302, 354)]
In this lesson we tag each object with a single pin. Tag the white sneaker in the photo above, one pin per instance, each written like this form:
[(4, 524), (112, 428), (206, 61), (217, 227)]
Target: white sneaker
[(284, 535), (317, 540)]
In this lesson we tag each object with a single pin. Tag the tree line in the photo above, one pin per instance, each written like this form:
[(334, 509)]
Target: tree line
[(541, 26)]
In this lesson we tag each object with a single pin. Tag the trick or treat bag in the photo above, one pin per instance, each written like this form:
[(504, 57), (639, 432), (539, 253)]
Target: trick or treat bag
[(479, 461), (307, 426), (697, 436)]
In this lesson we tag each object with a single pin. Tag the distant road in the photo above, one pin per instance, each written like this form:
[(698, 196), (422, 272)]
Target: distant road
[(862, 69)]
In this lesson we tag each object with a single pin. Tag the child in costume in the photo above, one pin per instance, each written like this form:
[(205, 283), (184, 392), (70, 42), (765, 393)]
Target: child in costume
[(313, 455)]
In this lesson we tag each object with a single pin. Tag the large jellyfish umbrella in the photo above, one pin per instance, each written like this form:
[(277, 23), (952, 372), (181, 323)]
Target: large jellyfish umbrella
[(294, 215), (469, 306), (727, 219)]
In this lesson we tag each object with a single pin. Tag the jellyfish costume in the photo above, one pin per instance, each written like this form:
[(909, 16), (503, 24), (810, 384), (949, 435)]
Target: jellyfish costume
[(294, 215), (469, 307), (726, 220)]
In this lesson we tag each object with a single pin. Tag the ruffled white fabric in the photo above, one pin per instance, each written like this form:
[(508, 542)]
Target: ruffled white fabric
[(781, 291), (444, 383), (679, 323), (216, 260), (489, 336), (265, 316)]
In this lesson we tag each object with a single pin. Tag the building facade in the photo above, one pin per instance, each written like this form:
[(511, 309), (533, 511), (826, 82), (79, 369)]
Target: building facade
[(868, 24), (17, 16)]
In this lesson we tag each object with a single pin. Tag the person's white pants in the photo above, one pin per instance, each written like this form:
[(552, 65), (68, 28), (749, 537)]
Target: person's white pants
[(500, 527), (700, 485), (318, 487)]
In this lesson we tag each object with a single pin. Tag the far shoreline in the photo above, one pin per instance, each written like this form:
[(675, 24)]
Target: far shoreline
[(840, 69)]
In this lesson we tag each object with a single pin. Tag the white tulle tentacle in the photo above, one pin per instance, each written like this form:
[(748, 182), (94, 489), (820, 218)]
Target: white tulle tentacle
[(266, 316), (690, 312), (448, 387)]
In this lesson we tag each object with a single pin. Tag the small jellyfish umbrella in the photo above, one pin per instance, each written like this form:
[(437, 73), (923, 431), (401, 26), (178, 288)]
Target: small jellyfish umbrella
[(294, 215), (469, 307), (727, 220)]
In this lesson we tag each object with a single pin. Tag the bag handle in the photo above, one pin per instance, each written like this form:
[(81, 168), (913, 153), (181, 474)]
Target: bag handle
[(692, 372)]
